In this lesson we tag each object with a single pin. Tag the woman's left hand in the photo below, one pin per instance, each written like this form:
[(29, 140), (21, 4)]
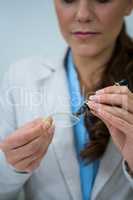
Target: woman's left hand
[(114, 106)]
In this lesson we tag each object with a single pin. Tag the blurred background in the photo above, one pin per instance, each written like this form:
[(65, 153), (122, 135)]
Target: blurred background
[(29, 28)]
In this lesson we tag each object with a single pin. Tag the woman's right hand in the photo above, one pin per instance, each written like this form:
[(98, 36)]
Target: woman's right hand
[(25, 148)]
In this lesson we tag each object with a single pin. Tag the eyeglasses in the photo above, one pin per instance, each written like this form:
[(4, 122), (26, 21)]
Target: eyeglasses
[(69, 119)]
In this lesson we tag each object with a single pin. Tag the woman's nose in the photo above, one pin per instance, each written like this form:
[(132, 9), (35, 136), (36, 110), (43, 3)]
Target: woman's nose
[(85, 11)]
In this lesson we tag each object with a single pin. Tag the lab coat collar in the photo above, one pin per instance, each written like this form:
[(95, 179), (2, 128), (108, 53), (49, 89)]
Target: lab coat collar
[(48, 66)]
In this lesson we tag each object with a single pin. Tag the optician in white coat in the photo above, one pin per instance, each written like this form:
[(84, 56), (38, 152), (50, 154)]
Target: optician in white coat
[(37, 88)]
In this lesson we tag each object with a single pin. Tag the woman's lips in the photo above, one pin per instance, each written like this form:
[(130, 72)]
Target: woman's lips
[(85, 35)]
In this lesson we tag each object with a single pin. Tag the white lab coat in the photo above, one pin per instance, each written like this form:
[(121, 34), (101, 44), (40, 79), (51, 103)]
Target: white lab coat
[(38, 87)]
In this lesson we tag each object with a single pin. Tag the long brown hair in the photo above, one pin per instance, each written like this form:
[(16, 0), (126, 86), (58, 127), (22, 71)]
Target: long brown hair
[(119, 67)]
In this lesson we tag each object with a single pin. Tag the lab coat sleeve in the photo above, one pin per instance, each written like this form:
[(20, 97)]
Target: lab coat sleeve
[(128, 176), (10, 181)]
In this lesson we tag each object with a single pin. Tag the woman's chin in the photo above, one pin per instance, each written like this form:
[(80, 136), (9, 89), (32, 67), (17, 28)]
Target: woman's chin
[(85, 51)]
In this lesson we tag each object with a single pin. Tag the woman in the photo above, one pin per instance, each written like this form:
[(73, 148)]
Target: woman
[(92, 160)]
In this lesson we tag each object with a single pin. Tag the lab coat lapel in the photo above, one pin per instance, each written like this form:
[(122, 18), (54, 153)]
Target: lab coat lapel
[(108, 165), (58, 100), (66, 157), (64, 142)]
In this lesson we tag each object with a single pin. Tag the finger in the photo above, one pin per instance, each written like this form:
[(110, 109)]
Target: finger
[(31, 124), (116, 111), (123, 101), (117, 122), (48, 120), (35, 122), (29, 160), (33, 165), (117, 136), (25, 163), (29, 149), (20, 138), (24, 136), (100, 117), (114, 89), (41, 126), (25, 151)]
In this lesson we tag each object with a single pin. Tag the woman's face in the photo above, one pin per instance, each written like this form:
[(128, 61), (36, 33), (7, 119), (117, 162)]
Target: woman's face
[(91, 26)]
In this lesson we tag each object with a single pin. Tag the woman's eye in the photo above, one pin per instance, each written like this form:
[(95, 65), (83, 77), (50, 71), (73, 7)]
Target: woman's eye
[(103, 1), (73, 1), (68, 1)]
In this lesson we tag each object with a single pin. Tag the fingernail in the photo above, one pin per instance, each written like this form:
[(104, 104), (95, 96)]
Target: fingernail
[(93, 97), (47, 122), (94, 106), (51, 130), (100, 91), (90, 104), (48, 119)]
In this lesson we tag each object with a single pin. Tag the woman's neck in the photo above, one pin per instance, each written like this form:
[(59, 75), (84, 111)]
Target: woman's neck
[(91, 69)]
